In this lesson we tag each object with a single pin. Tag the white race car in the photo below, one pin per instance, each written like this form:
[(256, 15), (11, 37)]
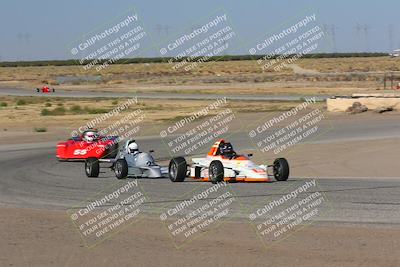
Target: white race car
[(223, 164)]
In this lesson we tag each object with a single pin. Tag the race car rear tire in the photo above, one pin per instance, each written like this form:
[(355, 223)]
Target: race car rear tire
[(177, 169), (281, 169), (92, 167), (121, 169), (216, 172)]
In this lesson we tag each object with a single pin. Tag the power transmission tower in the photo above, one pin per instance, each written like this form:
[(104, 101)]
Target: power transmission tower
[(391, 37), (358, 31), (158, 29), (331, 31), (162, 28), (364, 29), (166, 29)]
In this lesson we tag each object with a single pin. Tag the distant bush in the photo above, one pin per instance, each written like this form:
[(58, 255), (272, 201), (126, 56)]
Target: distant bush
[(71, 62), (95, 110), (75, 109), (59, 111), (40, 129), (55, 112), (45, 112), (21, 102), (47, 105), (115, 102), (60, 104), (3, 104)]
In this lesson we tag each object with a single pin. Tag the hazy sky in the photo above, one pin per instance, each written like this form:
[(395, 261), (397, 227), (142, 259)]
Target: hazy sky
[(45, 29)]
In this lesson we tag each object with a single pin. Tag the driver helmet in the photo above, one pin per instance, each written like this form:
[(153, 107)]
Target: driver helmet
[(226, 149), (133, 147), (90, 136)]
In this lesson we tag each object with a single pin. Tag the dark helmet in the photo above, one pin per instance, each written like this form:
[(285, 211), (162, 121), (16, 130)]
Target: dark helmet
[(226, 148)]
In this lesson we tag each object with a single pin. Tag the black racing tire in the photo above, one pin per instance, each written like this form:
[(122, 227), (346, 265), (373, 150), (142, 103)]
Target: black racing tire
[(121, 169), (281, 169), (92, 167), (177, 169), (216, 171)]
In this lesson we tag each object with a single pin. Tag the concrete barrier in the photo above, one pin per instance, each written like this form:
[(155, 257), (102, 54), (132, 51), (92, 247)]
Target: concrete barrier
[(372, 102)]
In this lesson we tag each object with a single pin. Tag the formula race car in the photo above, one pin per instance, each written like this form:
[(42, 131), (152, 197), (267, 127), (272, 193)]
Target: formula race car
[(89, 145), (129, 162), (45, 89), (223, 164)]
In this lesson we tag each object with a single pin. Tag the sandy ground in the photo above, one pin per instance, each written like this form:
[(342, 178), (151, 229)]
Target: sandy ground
[(30, 237), (146, 243)]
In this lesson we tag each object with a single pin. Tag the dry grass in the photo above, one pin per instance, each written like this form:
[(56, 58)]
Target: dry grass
[(30, 114), (229, 75)]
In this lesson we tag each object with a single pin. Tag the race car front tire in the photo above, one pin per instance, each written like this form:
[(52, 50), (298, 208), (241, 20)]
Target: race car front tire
[(281, 169), (216, 171), (121, 169), (92, 167), (177, 169)]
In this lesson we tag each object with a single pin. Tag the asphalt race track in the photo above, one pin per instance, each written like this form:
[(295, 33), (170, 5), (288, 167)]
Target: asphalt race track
[(93, 94), (32, 177)]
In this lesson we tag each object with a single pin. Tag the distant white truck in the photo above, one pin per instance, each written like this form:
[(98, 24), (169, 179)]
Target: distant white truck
[(396, 53)]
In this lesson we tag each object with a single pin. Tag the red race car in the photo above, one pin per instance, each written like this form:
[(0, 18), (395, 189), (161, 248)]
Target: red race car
[(89, 145), (45, 89)]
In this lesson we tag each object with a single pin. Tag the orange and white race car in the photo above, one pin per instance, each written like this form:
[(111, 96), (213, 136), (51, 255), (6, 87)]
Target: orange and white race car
[(223, 164)]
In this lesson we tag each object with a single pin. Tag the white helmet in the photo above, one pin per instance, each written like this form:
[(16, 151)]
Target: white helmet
[(90, 136), (133, 147)]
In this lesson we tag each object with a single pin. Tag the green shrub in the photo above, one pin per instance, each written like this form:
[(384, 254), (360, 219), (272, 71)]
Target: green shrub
[(60, 104), (3, 104), (75, 109), (45, 112), (47, 105), (58, 111), (115, 102), (95, 110), (40, 129), (21, 102), (55, 112)]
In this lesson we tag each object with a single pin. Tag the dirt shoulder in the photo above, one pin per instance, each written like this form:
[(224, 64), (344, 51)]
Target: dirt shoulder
[(146, 243)]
